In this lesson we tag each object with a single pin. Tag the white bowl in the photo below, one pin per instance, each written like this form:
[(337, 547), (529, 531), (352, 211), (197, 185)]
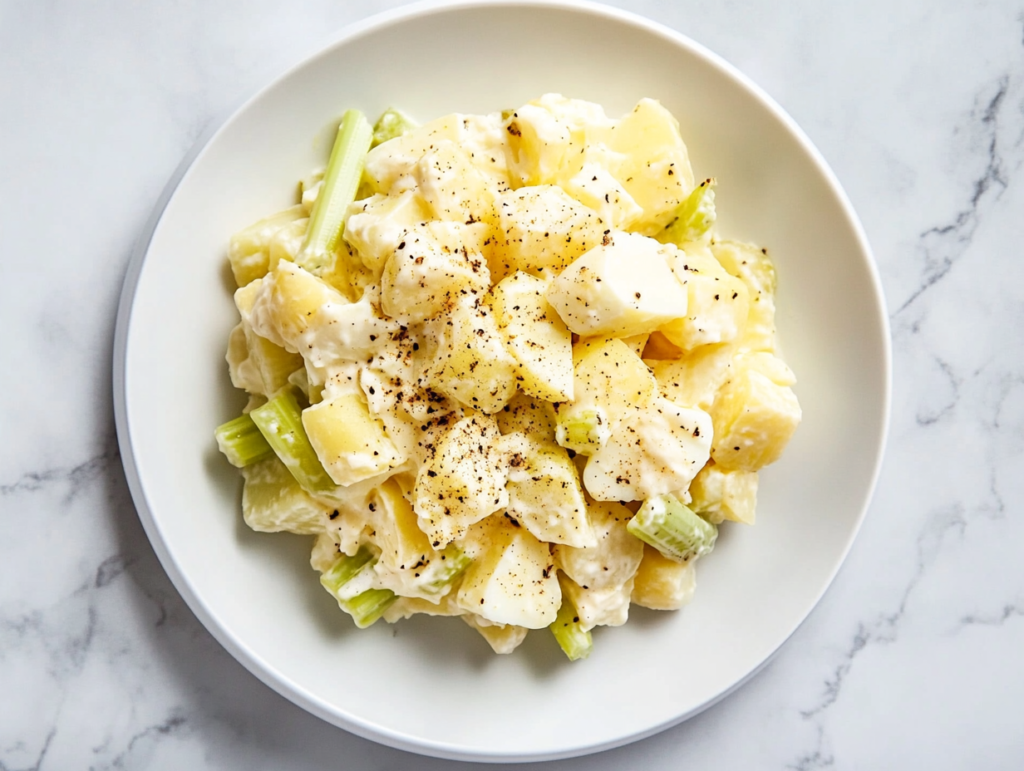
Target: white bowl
[(432, 685)]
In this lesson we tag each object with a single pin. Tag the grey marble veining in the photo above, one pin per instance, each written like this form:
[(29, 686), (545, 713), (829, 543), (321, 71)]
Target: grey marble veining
[(914, 657)]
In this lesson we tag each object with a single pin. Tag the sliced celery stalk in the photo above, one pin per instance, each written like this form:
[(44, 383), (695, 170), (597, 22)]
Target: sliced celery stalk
[(340, 580), (344, 171), (672, 528), (280, 421), (568, 631), (443, 572), (369, 606), (241, 442), (344, 570), (694, 217), (584, 431), (393, 123)]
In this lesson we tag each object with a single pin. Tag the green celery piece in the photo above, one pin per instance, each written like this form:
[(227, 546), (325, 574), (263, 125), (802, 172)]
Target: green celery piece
[(341, 180), (344, 570), (444, 571), (280, 421), (573, 640), (369, 606), (694, 217), (582, 430), (241, 442), (672, 528), (393, 123)]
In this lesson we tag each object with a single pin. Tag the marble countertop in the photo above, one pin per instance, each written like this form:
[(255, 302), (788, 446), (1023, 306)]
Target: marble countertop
[(915, 657)]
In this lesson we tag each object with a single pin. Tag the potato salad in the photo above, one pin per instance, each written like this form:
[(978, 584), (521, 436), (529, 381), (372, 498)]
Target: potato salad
[(503, 367)]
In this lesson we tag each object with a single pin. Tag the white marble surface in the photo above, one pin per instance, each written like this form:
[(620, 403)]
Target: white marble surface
[(915, 658)]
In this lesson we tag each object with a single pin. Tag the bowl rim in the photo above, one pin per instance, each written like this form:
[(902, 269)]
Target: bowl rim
[(261, 668)]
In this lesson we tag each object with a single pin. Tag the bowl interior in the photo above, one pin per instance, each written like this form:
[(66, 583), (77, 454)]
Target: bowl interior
[(432, 685)]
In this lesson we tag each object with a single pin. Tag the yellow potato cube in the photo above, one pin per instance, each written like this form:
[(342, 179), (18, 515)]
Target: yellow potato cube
[(694, 379), (596, 187), (717, 306), (620, 288), (397, 534), (537, 338), (663, 584), (659, 451), (249, 249), (471, 364), (452, 187), (394, 159), (430, 268), (657, 171), (615, 556), (753, 267), (546, 135), (287, 242), (541, 231), (718, 495), (287, 302), (464, 481), (754, 420), (376, 226), (272, 363), (273, 502), (533, 417), (611, 383), (503, 638), (514, 581), (350, 443), (544, 493), (599, 606)]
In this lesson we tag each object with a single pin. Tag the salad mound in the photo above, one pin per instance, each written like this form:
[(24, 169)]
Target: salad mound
[(502, 367)]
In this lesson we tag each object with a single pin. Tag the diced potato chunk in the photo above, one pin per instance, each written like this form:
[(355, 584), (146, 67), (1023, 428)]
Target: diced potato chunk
[(349, 442), (249, 249), (402, 544), (659, 451), (287, 242), (544, 493), (273, 502), (452, 186), (769, 365), (717, 303), (693, 380), (621, 288), (752, 266), (754, 420), (542, 230), (718, 495), (503, 638), (657, 171), (471, 364), (387, 163), (599, 606), (431, 267), (536, 337), (464, 481), (268, 365), (611, 383), (663, 584), (241, 368), (286, 303), (546, 135), (596, 187), (376, 226), (613, 559), (514, 581), (533, 417)]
